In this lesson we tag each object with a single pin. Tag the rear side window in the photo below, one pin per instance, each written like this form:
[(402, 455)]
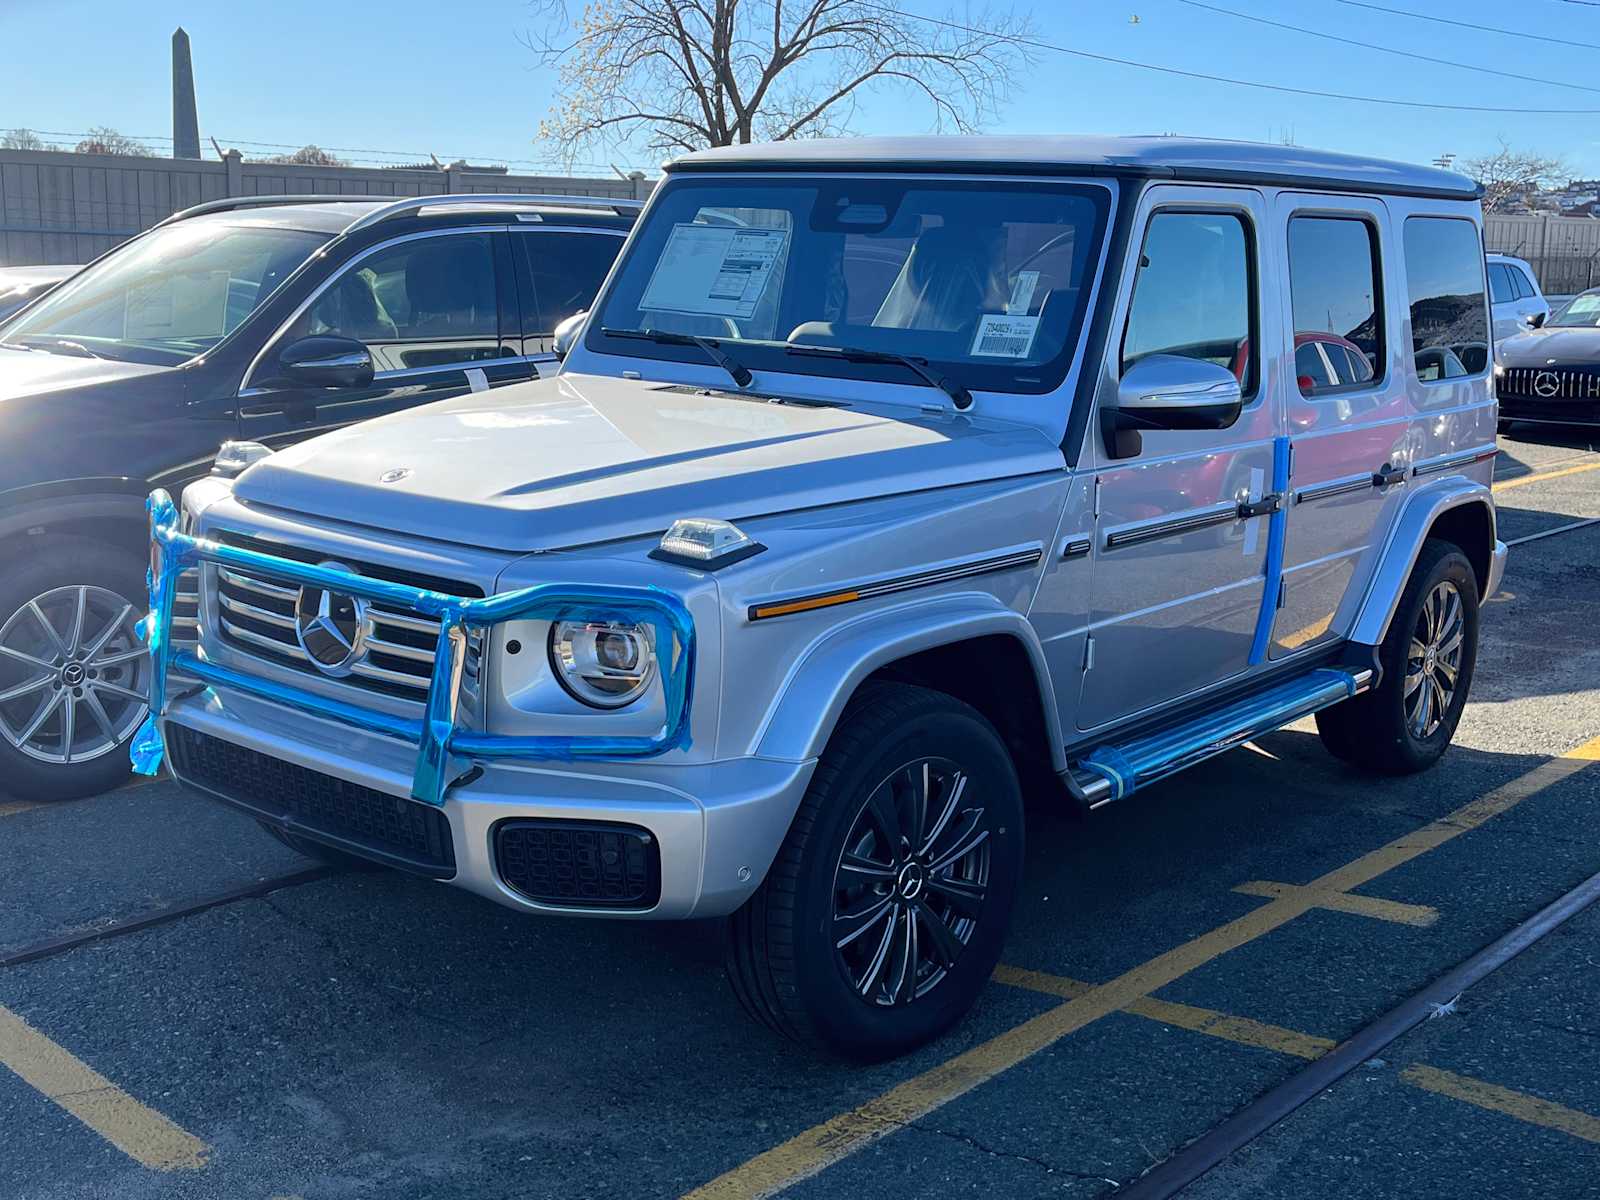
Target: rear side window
[(1194, 294), (567, 270), (1525, 288), (1335, 289), (1444, 278), (1501, 289)]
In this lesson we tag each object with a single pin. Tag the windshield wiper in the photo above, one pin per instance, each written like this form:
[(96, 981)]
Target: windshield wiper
[(66, 345), (709, 346), (959, 396), (15, 346)]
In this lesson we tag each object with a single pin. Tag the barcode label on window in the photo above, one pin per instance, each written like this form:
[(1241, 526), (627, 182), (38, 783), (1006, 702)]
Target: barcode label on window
[(1003, 336)]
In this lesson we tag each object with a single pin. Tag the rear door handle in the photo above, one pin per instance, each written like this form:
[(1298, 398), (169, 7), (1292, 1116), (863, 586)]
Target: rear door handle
[(1388, 475)]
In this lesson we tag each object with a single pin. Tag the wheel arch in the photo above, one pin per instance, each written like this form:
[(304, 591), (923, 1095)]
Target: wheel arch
[(110, 511), (969, 646), (1459, 510)]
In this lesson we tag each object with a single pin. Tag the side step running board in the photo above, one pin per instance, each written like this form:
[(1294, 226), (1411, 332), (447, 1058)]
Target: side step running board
[(1111, 772)]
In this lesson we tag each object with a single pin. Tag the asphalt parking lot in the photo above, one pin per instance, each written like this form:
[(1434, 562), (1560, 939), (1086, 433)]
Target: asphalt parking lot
[(1174, 958)]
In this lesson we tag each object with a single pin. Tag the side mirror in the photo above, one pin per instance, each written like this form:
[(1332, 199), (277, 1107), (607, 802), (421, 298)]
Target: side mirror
[(1537, 320), (325, 361), (1167, 391), (567, 333)]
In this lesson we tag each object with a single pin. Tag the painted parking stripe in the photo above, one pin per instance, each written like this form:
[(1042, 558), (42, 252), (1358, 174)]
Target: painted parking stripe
[(141, 1133), (1499, 1099), (1505, 485), (819, 1147)]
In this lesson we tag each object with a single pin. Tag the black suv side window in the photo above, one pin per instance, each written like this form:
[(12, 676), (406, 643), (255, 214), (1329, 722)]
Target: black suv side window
[(1194, 293), (567, 271), (430, 302)]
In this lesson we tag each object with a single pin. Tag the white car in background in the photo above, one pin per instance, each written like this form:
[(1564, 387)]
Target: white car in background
[(1514, 296)]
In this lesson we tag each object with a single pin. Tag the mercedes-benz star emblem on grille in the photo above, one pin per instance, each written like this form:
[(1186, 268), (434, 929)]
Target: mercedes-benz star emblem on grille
[(331, 627), (1546, 384), (394, 475)]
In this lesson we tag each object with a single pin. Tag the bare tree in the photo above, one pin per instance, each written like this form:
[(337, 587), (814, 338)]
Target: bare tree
[(103, 139), (21, 139), (1510, 175), (309, 156), (685, 74)]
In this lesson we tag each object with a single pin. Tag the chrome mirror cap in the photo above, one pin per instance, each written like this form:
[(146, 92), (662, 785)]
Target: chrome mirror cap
[(1168, 391)]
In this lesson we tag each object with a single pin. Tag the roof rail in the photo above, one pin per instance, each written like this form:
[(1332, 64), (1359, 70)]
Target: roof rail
[(236, 202), (410, 204)]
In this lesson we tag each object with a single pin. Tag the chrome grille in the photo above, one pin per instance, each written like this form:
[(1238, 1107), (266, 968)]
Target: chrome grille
[(256, 615), (186, 609), (1570, 383)]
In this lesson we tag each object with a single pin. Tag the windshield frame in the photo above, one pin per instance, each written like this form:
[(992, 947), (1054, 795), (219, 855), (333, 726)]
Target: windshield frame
[(771, 358), (140, 350)]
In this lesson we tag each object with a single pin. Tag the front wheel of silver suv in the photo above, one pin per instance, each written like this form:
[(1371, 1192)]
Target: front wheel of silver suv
[(73, 674), (885, 912)]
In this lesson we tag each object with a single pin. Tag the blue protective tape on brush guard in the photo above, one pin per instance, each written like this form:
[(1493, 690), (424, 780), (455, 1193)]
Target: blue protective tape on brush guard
[(437, 735), (1109, 764)]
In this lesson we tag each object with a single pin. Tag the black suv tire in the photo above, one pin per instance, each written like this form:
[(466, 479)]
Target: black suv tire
[(949, 783), (1379, 730), (49, 564)]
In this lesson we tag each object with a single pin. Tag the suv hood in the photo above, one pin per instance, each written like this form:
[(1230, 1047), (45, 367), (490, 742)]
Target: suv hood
[(34, 372), (582, 458), (1551, 346)]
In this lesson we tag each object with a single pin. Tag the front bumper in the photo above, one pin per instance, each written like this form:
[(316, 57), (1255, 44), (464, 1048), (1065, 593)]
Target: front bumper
[(718, 826), (1497, 568)]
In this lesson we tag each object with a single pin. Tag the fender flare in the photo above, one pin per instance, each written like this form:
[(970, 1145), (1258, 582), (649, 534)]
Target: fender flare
[(1393, 570), (828, 672), (120, 500)]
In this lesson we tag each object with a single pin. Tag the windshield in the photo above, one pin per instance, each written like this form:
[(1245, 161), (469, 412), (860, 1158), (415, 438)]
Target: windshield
[(989, 281), (1582, 311), (166, 297)]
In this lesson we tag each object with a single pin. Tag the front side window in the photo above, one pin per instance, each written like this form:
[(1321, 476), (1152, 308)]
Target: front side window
[(1445, 281), (1335, 291), (430, 302), (846, 277), (1193, 295), (167, 296)]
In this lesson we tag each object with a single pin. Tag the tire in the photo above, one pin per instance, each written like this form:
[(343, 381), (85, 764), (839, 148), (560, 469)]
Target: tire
[(323, 854), (1380, 730), (783, 958), (100, 678)]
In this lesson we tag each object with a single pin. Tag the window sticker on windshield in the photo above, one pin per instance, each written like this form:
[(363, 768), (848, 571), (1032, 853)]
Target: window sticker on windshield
[(1002, 336), (1022, 293), (715, 270)]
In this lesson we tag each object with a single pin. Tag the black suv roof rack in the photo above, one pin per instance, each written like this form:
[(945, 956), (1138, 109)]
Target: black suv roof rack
[(400, 206)]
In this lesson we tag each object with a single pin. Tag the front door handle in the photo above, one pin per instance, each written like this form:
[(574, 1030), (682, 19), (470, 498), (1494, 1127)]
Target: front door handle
[(1388, 475)]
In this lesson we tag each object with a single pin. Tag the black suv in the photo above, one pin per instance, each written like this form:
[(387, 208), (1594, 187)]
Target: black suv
[(261, 320)]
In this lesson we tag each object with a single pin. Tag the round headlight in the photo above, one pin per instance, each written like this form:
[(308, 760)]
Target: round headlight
[(605, 664)]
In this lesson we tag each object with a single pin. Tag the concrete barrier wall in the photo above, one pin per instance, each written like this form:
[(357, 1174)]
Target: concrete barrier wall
[(69, 208)]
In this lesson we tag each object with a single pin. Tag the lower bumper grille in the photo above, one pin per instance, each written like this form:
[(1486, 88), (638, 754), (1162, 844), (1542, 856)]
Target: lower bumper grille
[(579, 864), (399, 832)]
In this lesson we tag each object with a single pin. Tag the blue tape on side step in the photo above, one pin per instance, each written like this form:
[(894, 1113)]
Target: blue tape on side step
[(1141, 762)]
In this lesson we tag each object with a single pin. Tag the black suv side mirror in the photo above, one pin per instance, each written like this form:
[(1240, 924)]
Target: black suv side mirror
[(326, 361), (567, 333)]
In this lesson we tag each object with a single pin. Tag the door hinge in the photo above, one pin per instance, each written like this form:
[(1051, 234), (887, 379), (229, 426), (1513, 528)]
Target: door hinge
[(1088, 652)]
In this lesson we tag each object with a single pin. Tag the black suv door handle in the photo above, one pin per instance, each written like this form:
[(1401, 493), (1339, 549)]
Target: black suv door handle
[(1388, 475)]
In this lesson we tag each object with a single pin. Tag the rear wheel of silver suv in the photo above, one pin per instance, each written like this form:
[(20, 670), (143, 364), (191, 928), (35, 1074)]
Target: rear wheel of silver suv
[(73, 675), (887, 907), (1428, 657)]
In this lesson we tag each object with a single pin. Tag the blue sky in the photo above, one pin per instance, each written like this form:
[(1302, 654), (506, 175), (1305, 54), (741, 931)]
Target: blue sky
[(415, 75)]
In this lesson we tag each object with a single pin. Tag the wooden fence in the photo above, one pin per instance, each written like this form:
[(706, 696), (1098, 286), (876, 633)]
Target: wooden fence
[(1563, 251), (60, 207)]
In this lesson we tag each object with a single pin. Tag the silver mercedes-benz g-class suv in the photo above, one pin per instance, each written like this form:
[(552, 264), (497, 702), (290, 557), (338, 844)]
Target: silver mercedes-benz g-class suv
[(887, 478)]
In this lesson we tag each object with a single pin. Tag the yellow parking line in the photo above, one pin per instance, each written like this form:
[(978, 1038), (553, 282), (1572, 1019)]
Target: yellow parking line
[(1363, 906), (141, 1133), (1507, 484), (1240, 1030), (1503, 1100), (1589, 751), (817, 1148)]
